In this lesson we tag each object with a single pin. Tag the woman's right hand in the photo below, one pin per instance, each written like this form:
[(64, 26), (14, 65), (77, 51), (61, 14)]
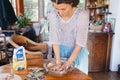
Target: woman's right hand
[(56, 67)]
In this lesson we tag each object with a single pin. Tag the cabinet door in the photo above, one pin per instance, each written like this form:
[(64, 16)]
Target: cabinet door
[(90, 46), (97, 46)]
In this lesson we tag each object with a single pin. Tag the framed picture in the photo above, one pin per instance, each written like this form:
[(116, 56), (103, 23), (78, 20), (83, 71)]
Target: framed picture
[(112, 21)]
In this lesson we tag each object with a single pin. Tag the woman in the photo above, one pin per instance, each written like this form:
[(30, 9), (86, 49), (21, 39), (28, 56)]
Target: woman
[(68, 34)]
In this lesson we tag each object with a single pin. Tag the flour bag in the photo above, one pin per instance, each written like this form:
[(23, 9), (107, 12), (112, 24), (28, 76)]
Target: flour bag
[(19, 59)]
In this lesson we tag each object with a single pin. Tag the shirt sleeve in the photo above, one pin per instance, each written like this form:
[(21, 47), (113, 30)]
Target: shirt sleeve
[(53, 30), (82, 29)]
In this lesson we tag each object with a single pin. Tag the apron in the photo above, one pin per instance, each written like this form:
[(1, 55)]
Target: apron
[(81, 62)]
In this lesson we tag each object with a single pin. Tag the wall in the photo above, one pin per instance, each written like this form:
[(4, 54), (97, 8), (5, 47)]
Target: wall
[(115, 53), (113, 7)]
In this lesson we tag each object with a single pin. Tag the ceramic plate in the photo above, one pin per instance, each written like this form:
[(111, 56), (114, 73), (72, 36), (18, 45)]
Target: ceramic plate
[(3, 75)]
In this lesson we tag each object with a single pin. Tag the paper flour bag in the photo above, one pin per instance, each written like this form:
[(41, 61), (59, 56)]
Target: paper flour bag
[(19, 59)]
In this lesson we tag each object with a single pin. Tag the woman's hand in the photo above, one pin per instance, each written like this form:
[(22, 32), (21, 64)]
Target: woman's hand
[(65, 66), (55, 68)]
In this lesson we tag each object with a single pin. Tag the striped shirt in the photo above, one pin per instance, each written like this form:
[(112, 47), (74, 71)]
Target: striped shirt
[(71, 32)]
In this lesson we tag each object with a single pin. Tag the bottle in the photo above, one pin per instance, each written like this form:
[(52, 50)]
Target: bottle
[(107, 25)]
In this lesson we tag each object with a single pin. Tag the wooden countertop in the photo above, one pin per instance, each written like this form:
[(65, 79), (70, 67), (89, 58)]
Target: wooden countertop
[(74, 75)]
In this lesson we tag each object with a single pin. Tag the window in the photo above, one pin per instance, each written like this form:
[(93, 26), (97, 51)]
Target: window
[(82, 4), (47, 7), (31, 9)]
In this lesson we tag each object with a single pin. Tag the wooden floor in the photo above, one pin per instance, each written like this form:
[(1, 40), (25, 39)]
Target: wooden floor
[(105, 76)]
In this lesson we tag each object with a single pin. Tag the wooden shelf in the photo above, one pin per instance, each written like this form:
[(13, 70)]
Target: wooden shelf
[(102, 14), (97, 7)]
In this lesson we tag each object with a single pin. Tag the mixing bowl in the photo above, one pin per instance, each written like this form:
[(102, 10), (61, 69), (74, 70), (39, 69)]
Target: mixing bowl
[(52, 62)]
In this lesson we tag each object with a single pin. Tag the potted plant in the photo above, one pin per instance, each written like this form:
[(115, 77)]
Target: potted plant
[(22, 22)]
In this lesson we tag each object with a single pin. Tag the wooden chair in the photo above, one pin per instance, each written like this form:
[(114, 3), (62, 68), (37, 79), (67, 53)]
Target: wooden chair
[(8, 31), (3, 51), (7, 34), (3, 46), (34, 51)]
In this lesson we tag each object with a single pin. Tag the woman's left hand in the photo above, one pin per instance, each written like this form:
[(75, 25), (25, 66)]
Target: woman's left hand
[(65, 66)]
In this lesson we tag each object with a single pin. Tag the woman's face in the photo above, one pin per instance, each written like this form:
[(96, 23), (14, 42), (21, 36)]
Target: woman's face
[(63, 9)]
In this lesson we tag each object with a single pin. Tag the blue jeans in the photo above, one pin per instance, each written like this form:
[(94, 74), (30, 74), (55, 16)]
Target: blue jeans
[(81, 62)]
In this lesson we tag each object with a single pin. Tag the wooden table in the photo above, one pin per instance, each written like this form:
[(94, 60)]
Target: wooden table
[(74, 75)]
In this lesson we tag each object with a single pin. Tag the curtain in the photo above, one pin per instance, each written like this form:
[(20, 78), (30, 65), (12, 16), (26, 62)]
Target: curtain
[(7, 14)]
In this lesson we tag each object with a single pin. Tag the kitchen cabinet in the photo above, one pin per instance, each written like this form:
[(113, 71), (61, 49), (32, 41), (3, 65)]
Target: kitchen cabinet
[(99, 46)]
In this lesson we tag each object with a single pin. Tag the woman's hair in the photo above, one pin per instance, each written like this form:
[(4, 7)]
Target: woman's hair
[(74, 3)]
